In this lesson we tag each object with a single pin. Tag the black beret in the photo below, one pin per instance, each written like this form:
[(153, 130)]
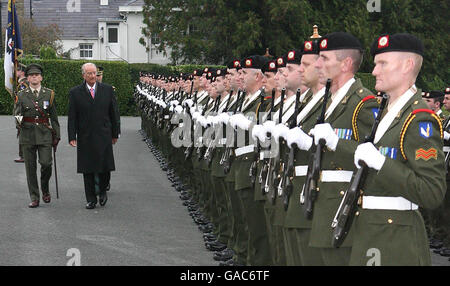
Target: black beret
[(311, 47), (221, 72), (447, 90), (340, 41), (294, 57), (235, 64), (433, 94), (271, 66), (397, 43), (33, 69), (198, 72), (21, 67), (254, 62)]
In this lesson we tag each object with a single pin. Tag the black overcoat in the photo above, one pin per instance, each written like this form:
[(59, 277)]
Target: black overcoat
[(93, 123)]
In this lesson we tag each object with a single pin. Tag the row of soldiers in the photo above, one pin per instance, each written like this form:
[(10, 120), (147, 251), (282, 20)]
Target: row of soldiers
[(292, 161)]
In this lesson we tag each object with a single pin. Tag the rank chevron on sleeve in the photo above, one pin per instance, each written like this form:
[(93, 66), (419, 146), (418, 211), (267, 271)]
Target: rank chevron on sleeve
[(426, 154)]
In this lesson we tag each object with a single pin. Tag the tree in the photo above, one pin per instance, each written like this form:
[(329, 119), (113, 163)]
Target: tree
[(218, 31), (34, 37)]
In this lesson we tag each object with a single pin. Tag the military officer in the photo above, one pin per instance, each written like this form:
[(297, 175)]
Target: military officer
[(35, 110), (406, 163), (22, 84)]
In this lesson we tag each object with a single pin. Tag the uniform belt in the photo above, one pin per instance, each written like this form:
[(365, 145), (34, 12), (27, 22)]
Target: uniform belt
[(387, 203), (301, 171), (336, 176), (446, 149), (244, 150), (35, 120)]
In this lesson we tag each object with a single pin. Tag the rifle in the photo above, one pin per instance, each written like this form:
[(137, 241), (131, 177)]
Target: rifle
[(254, 166), (310, 189), (265, 167), (228, 157), (209, 154), (190, 148), (274, 174), (345, 214), (289, 173), (199, 149)]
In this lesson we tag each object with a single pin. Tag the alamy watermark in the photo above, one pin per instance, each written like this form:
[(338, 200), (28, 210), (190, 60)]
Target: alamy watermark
[(374, 6)]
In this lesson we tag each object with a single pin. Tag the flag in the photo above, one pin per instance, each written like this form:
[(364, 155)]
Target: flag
[(13, 47)]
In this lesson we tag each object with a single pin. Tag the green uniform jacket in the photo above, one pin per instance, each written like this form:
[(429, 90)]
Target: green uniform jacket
[(331, 193), (400, 236), (243, 163), (295, 217), (37, 133)]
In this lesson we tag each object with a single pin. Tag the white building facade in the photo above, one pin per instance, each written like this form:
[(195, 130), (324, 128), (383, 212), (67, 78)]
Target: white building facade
[(98, 29)]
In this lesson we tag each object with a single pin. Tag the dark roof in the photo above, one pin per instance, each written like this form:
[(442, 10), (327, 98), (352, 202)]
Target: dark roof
[(83, 24)]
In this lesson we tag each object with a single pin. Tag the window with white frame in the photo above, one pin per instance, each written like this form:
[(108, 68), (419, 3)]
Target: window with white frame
[(103, 2), (86, 50)]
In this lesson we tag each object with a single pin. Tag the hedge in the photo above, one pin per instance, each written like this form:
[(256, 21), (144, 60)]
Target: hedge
[(62, 75)]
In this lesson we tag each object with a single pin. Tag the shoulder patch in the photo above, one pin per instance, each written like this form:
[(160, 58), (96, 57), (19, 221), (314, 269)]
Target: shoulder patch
[(425, 128)]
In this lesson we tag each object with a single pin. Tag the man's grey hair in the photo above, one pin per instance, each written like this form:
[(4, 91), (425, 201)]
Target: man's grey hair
[(83, 67)]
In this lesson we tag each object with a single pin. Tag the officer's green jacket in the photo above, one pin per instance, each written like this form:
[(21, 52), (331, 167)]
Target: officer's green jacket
[(331, 193), (36, 133), (414, 169)]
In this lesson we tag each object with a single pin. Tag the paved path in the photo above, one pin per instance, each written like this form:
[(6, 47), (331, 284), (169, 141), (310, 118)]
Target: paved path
[(143, 223)]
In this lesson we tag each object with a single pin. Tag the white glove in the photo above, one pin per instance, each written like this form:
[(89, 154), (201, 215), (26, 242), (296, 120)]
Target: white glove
[(446, 135), (179, 109), (224, 117), (368, 153), (189, 102), (279, 131), (297, 136), (259, 132), (196, 115), (326, 132)]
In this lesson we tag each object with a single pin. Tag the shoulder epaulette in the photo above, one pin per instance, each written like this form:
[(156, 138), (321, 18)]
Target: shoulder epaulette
[(408, 121), (356, 113)]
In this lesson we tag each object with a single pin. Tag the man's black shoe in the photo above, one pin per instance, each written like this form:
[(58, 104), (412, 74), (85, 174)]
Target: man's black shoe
[(103, 199), (223, 255), (436, 243), (445, 252), (215, 246), (229, 262), (90, 206)]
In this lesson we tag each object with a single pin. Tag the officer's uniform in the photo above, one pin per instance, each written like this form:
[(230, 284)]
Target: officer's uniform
[(36, 112)]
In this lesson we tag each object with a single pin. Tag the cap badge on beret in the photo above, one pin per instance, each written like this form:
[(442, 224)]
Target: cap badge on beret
[(206, 70), (383, 42), (447, 90), (280, 61), (308, 46), (209, 74), (195, 72), (291, 55), (219, 72), (248, 63), (236, 64), (323, 44), (272, 66)]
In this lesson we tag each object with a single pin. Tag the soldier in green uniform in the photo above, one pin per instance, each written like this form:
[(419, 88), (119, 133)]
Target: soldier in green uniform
[(441, 222), (22, 83), (406, 162), (339, 59), (297, 228), (435, 99), (35, 111)]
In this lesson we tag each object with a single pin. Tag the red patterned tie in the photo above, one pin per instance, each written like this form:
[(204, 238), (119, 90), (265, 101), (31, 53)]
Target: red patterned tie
[(92, 92)]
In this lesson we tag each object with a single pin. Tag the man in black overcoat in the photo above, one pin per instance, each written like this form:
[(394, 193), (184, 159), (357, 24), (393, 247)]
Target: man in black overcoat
[(92, 128)]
